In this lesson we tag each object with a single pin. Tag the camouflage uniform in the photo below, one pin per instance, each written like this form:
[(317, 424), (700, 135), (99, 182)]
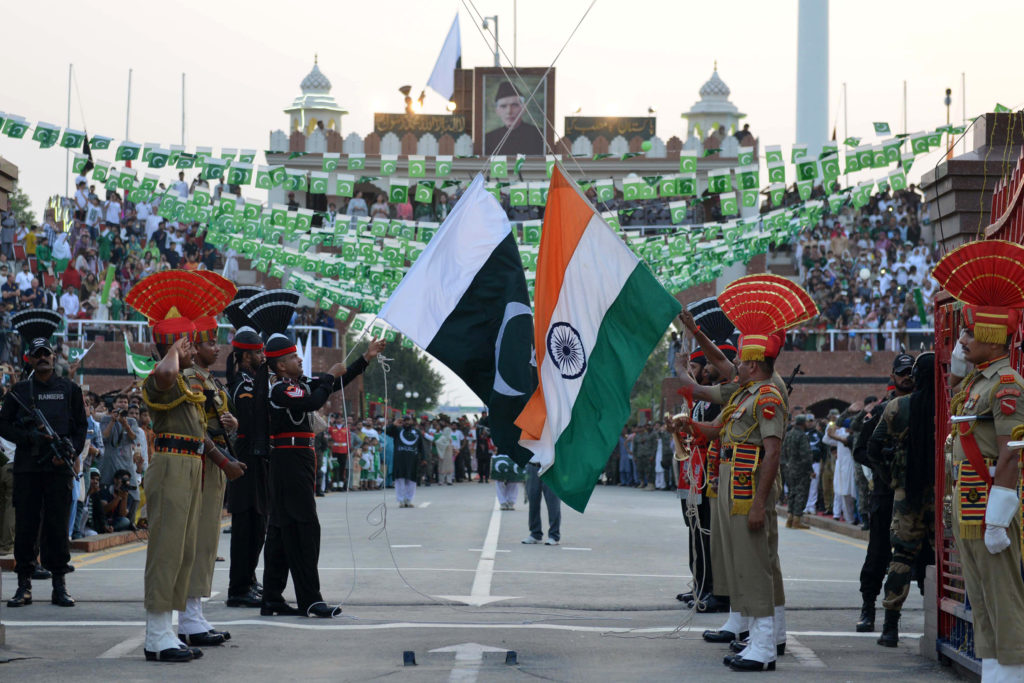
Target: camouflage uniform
[(796, 461), (645, 444)]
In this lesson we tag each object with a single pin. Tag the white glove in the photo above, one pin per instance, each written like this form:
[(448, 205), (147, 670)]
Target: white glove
[(958, 364), (1003, 505)]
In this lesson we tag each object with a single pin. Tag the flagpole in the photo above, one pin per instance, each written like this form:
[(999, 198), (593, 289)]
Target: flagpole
[(128, 108), (67, 151), (963, 105), (182, 108), (904, 107), (515, 33), (846, 128)]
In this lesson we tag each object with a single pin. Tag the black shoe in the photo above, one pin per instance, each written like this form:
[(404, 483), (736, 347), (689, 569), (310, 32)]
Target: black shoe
[(738, 646), (685, 597), (206, 639), (728, 659), (867, 617), (724, 636), (172, 654), (60, 596), (890, 629), (227, 636), (322, 610), (710, 604), (22, 596), (249, 599), (41, 573), (780, 649), (740, 664), (282, 608)]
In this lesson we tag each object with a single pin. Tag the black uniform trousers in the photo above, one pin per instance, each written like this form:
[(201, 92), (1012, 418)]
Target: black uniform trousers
[(248, 533), (876, 562), (42, 505), (700, 547), (293, 535)]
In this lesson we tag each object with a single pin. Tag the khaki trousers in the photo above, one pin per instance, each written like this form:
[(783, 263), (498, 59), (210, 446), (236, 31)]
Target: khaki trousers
[(756, 576), (173, 495), (996, 592), (721, 550), (211, 506)]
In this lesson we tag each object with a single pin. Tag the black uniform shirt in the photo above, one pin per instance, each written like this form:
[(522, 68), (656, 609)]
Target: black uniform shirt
[(60, 401)]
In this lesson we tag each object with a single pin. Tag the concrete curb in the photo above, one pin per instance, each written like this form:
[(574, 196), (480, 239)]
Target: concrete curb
[(828, 524)]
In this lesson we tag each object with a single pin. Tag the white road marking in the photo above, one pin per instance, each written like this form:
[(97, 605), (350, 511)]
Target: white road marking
[(435, 625), (480, 593), (565, 548), (124, 647), (804, 655), (468, 658), (405, 546), (480, 550), (424, 505)]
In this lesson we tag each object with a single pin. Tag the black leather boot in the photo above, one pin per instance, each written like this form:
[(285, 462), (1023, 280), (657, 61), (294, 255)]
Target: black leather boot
[(60, 595), (22, 596), (890, 629), (867, 617)]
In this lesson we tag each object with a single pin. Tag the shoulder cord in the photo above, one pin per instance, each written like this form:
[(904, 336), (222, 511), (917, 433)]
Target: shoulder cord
[(731, 436), (193, 397)]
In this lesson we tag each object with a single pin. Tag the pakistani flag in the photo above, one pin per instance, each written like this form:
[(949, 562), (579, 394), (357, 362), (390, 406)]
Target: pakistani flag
[(388, 164), (686, 185), (605, 190), (776, 191), (729, 205), (46, 134), (632, 187), (745, 156), (247, 156), (15, 127), (892, 150), (99, 171), (318, 182), (137, 364), (935, 139), (878, 158), (687, 161), (881, 128), (720, 180), (748, 199), (443, 166), (417, 167), (807, 169), (344, 185), (777, 172), (485, 299), (851, 142), (185, 160), (424, 193), (852, 163), (159, 157), (549, 163), (798, 152), (355, 162), (399, 191), (907, 160), (78, 163), (127, 151), (499, 166), (898, 180), (830, 167), (518, 194), (330, 162), (127, 178), (240, 173), (773, 154), (865, 157), (100, 142), (72, 139), (803, 188), (531, 232)]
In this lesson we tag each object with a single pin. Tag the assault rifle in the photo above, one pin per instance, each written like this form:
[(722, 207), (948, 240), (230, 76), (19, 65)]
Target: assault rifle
[(792, 378), (58, 447)]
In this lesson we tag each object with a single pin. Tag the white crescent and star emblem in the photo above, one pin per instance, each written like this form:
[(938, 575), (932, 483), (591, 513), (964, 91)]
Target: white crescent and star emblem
[(513, 309)]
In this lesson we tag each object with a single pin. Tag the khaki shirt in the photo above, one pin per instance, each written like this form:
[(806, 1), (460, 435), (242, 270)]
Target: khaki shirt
[(201, 381), (760, 413), (997, 391), (720, 393), (176, 410)]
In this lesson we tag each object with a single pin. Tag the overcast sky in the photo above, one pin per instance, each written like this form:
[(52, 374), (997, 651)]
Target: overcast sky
[(244, 62)]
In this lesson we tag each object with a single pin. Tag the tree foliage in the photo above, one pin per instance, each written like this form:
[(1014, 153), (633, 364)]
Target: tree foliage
[(412, 369), (21, 205)]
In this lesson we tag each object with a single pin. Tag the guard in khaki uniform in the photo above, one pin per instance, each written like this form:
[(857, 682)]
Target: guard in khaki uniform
[(174, 477), (988, 411), (193, 628), (752, 426)]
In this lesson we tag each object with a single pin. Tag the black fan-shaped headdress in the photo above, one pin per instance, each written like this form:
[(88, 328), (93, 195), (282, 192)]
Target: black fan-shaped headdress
[(34, 323), (712, 321), (270, 311)]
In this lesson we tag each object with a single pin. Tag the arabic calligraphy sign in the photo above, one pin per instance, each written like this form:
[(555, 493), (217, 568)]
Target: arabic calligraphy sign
[(609, 127), (418, 124)]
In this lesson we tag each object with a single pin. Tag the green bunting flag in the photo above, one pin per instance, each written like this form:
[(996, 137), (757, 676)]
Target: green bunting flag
[(549, 162), (907, 160), (127, 151), (748, 198), (531, 232), (46, 134), (798, 152), (424, 193), (748, 177), (72, 139), (776, 172), (318, 182), (499, 167), (881, 128), (688, 161), (417, 167), (1000, 109), (804, 188), (686, 185), (78, 163), (830, 168), (605, 190), (935, 139), (100, 142), (330, 162), (240, 173), (807, 169), (158, 157), (898, 180), (729, 206), (344, 185), (773, 154), (518, 194), (15, 127), (388, 164), (442, 166), (719, 180), (678, 211), (776, 192), (356, 162), (852, 162), (851, 142), (745, 156), (667, 186), (214, 168)]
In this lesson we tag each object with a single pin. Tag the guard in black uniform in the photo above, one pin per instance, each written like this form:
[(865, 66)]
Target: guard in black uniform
[(42, 481), (293, 537), (247, 498)]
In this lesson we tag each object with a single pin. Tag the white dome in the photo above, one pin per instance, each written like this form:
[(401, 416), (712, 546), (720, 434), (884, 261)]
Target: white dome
[(714, 86), (315, 81)]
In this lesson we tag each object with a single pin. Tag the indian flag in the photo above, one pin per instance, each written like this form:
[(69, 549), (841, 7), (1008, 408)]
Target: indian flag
[(598, 315), (465, 302)]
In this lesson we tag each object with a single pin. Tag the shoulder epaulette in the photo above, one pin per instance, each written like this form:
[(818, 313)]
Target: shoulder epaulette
[(1007, 379)]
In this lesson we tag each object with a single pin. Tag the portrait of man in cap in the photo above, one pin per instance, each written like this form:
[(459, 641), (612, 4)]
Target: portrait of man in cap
[(507, 113)]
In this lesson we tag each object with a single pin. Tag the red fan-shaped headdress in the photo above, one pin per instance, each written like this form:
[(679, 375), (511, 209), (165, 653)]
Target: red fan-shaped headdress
[(987, 276), (762, 307), (172, 299)]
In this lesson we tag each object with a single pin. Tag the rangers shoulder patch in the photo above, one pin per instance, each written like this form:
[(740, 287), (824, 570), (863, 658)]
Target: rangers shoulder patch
[(1007, 392), (1008, 406)]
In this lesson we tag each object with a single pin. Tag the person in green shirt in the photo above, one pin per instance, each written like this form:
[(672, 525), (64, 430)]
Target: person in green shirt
[(44, 255)]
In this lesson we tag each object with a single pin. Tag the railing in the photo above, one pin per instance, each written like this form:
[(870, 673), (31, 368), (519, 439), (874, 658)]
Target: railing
[(114, 330), (890, 339)]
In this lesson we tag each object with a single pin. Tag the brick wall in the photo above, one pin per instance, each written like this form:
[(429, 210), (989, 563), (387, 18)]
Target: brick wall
[(836, 375), (105, 369)]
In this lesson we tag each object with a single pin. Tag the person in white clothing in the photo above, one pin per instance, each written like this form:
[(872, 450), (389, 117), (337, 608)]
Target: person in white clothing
[(69, 302), (844, 482), (181, 187)]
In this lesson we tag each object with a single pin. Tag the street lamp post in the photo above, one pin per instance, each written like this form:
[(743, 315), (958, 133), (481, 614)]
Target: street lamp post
[(949, 136), (497, 52)]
